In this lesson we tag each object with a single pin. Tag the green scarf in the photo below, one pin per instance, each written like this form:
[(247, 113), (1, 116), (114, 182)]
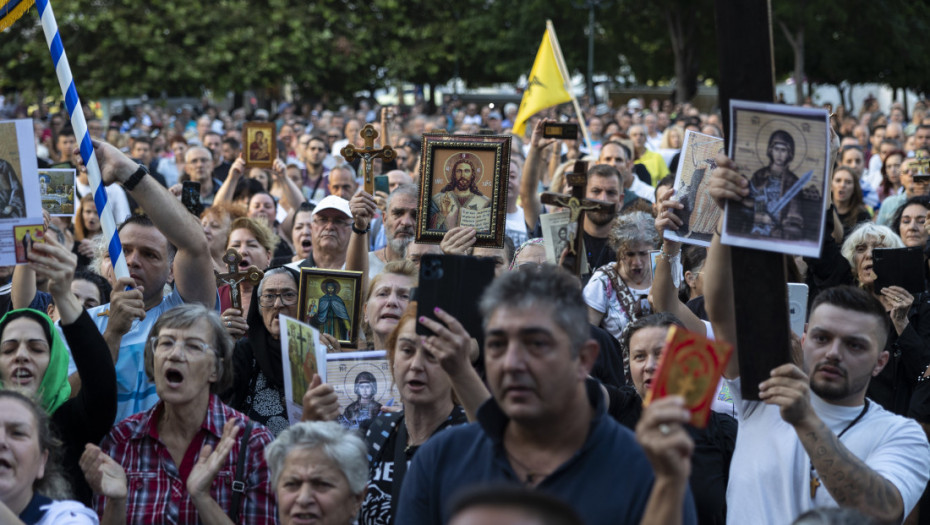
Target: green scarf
[(54, 388)]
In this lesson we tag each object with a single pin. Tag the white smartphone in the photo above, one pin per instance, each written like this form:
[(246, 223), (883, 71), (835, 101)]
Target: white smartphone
[(797, 307)]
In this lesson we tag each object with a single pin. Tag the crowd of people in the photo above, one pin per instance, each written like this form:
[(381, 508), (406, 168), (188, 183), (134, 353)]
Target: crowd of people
[(160, 397)]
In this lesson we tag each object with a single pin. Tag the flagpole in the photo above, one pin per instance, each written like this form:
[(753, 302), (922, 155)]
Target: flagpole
[(75, 109), (560, 61)]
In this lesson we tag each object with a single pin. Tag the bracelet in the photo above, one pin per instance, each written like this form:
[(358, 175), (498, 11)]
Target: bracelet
[(134, 179), (361, 232), (923, 376), (670, 258)]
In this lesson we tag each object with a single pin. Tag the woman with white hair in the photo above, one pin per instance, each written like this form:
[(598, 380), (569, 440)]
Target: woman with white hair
[(909, 337), (617, 293), (319, 471)]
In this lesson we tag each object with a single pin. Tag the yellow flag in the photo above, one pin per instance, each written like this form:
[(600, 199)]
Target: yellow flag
[(12, 10), (546, 86)]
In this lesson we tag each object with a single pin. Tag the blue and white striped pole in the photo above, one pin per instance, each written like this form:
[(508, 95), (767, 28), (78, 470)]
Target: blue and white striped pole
[(73, 104)]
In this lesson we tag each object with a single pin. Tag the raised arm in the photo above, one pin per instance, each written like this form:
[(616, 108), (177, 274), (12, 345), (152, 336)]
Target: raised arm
[(363, 208), (291, 194), (661, 433), (193, 264), (664, 291), (228, 188), (725, 184), (848, 479), (532, 171), (452, 345)]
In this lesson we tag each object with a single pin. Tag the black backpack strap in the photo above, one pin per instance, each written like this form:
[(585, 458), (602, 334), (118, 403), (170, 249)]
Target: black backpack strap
[(238, 486)]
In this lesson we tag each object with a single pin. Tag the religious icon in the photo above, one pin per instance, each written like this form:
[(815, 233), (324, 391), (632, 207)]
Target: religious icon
[(56, 189), (362, 383), (330, 301), (260, 146), (302, 356), (690, 367), (463, 182), (700, 214), (25, 236), (787, 169)]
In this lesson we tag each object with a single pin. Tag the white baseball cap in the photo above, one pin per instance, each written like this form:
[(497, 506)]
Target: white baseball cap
[(333, 202)]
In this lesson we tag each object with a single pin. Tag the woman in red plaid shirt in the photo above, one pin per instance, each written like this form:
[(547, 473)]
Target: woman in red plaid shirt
[(177, 463)]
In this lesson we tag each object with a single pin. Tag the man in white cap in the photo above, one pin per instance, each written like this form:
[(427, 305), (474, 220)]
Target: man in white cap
[(331, 224)]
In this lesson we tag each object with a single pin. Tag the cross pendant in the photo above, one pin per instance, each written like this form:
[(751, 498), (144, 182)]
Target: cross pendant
[(815, 482)]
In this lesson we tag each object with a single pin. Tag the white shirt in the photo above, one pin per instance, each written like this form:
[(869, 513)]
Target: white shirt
[(116, 198), (770, 470), (642, 190)]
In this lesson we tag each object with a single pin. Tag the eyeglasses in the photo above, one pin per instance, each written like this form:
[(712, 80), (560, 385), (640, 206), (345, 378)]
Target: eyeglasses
[(268, 300), (165, 343), (323, 221)]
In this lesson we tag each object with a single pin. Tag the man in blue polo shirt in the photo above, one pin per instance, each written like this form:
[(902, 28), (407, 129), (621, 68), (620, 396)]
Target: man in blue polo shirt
[(546, 425)]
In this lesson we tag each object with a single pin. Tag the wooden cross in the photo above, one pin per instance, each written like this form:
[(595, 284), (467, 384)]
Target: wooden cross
[(760, 290), (235, 276), (577, 205), (368, 154)]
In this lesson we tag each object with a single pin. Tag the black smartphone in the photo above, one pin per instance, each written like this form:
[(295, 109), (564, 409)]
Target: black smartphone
[(190, 197), (455, 284), (902, 267), (381, 184), (560, 130)]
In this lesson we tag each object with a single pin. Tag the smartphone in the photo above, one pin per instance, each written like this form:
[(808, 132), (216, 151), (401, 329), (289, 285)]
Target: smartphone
[(190, 197), (455, 284), (560, 130), (797, 307), (902, 267), (381, 184)]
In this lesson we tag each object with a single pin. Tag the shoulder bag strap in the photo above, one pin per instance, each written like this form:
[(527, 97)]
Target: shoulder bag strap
[(238, 486)]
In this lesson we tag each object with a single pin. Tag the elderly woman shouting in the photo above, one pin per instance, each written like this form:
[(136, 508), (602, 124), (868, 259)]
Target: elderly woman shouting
[(180, 461)]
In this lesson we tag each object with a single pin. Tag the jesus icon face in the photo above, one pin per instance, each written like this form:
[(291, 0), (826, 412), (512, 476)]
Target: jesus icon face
[(463, 176)]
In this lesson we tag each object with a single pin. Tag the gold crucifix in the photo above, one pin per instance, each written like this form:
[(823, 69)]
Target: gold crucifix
[(235, 276), (368, 154), (578, 204)]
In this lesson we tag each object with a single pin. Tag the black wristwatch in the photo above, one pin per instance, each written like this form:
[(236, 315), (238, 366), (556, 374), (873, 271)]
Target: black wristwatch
[(361, 232), (134, 179)]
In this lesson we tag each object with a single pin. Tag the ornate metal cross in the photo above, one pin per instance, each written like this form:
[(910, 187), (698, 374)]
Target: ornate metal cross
[(578, 204), (368, 154), (235, 276)]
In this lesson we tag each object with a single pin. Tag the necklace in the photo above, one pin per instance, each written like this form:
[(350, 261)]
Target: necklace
[(815, 480), (531, 478)]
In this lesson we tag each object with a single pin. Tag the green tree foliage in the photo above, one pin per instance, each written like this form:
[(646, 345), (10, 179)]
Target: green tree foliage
[(331, 49)]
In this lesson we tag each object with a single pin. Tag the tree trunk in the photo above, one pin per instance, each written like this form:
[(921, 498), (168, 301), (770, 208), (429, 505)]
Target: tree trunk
[(796, 41), (681, 34)]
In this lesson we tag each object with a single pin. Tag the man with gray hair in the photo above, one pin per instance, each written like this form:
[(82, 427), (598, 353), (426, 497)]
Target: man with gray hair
[(400, 223), (546, 426)]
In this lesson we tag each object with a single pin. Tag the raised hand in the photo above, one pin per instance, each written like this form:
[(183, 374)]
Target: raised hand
[(363, 207), (666, 218), (104, 475), (665, 441), (726, 183), (235, 323), (115, 166), (789, 388), (320, 402), (210, 461), (451, 344), (458, 240), (51, 260), (125, 306)]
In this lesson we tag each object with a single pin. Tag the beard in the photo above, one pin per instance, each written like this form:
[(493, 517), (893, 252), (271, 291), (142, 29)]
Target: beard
[(599, 218), (399, 244)]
